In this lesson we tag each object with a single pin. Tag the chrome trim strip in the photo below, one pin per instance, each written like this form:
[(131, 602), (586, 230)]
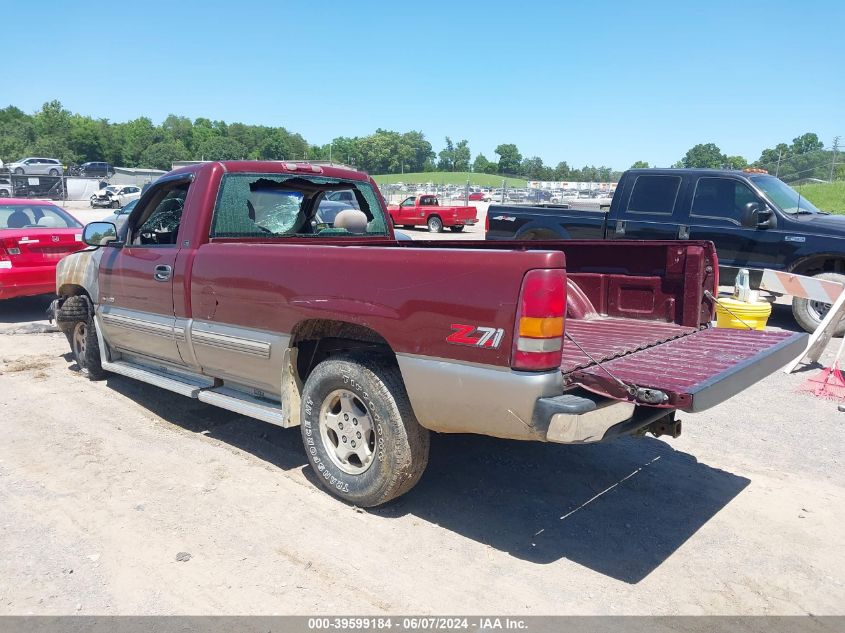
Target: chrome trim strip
[(230, 343), (143, 325)]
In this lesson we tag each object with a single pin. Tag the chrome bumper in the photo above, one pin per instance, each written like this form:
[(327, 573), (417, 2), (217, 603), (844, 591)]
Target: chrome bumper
[(452, 397)]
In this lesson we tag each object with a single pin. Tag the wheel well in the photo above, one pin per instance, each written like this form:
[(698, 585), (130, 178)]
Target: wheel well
[(69, 290), (318, 339), (819, 264)]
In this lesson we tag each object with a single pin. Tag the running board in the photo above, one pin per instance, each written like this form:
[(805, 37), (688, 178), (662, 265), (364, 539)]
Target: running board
[(182, 385), (239, 402)]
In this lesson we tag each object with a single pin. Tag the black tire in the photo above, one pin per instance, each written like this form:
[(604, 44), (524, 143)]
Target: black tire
[(4, 193), (397, 444), (115, 204), (435, 224), (809, 314), (456, 229), (75, 318), (54, 172)]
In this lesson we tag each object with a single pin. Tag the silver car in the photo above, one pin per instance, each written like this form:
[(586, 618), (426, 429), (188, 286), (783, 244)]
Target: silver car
[(37, 166)]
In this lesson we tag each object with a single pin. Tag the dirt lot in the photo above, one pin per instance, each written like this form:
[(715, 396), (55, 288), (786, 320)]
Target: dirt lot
[(104, 485)]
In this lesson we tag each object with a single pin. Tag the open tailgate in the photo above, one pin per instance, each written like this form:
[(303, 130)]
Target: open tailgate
[(696, 370)]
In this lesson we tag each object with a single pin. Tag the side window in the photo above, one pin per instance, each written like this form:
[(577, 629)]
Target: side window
[(721, 198), (270, 206), (158, 222), (408, 202), (654, 194)]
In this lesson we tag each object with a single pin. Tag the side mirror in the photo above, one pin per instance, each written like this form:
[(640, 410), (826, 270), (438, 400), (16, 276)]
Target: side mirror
[(100, 234), (758, 216)]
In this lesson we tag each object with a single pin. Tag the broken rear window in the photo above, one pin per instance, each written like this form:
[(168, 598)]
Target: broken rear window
[(270, 205)]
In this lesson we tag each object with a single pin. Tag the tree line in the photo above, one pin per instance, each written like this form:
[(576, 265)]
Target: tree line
[(74, 138), (805, 158)]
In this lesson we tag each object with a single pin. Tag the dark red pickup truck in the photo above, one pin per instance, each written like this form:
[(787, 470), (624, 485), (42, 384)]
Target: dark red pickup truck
[(228, 285)]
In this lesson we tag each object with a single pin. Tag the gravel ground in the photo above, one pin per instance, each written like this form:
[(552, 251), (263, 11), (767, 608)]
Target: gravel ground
[(120, 498)]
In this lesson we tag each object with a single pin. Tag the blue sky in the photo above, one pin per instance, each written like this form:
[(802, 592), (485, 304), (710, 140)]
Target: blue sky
[(597, 82)]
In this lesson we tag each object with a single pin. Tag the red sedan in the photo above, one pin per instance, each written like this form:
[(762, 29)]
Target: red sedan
[(479, 195), (34, 236)]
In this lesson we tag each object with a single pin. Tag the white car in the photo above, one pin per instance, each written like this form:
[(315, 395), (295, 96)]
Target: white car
[(37, 166), (115, 196)]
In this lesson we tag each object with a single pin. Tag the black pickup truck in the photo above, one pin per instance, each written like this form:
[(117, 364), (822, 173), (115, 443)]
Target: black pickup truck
[(755, 220)]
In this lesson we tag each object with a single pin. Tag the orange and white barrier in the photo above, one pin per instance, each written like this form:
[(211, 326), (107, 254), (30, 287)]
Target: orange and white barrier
[(801, 286), (814, 290)]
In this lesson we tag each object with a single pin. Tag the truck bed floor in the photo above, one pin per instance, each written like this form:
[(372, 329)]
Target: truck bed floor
[(607, 338)]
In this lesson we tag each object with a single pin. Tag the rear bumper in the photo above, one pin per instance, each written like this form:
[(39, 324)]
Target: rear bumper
[(453, 397), (27, 281)]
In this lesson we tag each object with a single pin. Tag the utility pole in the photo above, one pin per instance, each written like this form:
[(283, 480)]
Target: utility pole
[(833, 158), (777, 169)]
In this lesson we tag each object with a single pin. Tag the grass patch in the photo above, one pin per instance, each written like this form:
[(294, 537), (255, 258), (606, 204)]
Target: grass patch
[(827, 196), (450, 178)]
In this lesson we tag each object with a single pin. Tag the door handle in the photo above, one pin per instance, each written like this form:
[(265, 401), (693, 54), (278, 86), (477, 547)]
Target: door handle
[(162, 273)]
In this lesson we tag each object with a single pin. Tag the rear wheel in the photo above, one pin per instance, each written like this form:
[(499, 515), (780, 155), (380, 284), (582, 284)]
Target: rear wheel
[(54, 172), (359, 431), (435, 224), (809, 314)]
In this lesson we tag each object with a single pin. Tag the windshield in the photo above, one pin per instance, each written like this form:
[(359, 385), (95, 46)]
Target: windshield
[(789, 200)]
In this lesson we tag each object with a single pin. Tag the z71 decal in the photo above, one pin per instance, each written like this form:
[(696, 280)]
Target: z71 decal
[(479, 336)]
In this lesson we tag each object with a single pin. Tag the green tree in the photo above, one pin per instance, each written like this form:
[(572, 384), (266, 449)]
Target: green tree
[(640, 164), (509, 158), (562, 171), (805, 143), (462, 156), (178, 128), (163, 154), (447, 157), (736, 162), (480, 165), (17, 134), (220, 148), (52, 129), (703, 156)]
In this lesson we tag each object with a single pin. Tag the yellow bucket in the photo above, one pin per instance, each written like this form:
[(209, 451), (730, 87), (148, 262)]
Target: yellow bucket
[(753, 314)]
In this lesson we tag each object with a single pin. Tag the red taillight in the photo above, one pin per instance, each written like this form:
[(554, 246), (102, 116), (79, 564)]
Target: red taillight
[(538, 334), (486, 222)]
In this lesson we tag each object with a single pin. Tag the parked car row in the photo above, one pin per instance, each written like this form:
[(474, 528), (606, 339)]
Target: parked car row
[(40, 166)]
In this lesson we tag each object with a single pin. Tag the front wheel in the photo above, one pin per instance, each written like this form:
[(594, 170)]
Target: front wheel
[(359, 431), (19, 171), (809, 314), (54, 172), (435, 224), (75, 319)]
